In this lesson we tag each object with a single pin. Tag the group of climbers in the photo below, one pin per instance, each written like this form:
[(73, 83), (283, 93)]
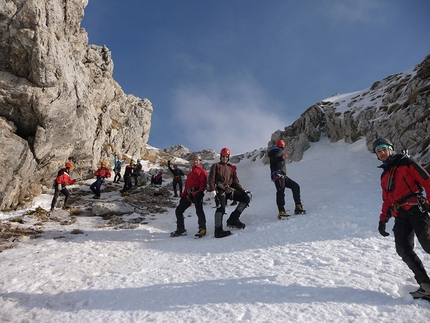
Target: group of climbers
[(403, 182), (222, 183)]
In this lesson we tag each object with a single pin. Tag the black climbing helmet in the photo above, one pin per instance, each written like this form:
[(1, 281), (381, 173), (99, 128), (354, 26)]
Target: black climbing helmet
[(384, 142)]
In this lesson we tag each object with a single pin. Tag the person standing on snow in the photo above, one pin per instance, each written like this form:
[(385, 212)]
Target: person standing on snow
[(402, 182), (63, 179), (177, 178), (234, 168), (195, 186), (101, 174), (117, 166), (279, 176), (224, 183)]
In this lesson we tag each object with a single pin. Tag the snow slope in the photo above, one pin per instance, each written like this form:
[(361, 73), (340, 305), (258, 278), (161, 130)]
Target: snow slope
[(330, 265)]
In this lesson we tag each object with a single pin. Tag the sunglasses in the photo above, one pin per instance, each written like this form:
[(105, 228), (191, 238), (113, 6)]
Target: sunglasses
[(380, 147)]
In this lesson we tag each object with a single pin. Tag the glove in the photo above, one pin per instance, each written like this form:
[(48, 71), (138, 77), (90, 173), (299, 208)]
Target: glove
[(249, 193), (381, 229)]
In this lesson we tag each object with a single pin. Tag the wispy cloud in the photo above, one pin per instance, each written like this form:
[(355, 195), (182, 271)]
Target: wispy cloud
[(233, 115), (355, 11)]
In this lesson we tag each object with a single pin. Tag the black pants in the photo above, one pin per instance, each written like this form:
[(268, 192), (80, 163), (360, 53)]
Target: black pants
[(235, 195), (136, 176), (184, 204), (175, 184), (281, 184), (57, 192), (407, 223), (127, 183), (117, 176)]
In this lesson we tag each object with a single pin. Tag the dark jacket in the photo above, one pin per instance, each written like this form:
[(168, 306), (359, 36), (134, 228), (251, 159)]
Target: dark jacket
[(176, 172), (277, 162), (128, 170), (137, 169), (401, 181)]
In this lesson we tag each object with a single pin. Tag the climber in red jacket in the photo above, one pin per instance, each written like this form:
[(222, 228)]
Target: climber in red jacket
[(63, 179), (403, 181)]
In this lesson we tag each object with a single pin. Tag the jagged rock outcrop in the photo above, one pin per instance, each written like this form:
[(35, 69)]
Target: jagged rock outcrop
[(178, 151), (183, 152), (58, 100), (397, 107), (205, 154)]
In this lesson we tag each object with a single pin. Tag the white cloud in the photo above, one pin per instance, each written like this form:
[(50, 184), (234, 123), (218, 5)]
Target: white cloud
[(236, 115), (356, 11)]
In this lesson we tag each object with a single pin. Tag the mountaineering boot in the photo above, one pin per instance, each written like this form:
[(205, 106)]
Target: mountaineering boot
[(200, 234), (299, 209), (179, 233), (236, 224), (220, 233), (422, 292), (282, 215)]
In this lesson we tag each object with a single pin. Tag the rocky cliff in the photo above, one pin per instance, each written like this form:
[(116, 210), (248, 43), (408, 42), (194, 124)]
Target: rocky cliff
[(397, 107), (58, 100)]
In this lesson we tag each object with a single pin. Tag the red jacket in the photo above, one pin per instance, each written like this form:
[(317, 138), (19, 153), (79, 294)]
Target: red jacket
[(196, 178), (64, 179), (408, 178), (102, 172)]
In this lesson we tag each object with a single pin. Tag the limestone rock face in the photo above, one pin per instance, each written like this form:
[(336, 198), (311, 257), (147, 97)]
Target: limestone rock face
[(396, 107), (58, 100)]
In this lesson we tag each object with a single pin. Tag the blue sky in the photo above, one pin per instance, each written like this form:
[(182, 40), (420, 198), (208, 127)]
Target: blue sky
[(230, 73)]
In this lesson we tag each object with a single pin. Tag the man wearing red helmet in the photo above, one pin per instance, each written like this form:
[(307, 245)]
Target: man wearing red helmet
[(224, 182), (63, 179), (403, 181), (279, 177)]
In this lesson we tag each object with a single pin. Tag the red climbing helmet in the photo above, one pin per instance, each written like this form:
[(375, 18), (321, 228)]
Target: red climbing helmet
[(280, 143), (225, 151)]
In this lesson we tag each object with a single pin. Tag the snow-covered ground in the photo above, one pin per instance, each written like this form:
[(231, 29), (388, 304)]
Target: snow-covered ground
[(330, 265)]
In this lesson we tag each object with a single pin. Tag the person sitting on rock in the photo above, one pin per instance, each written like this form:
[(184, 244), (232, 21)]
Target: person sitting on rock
[(157, 179)]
